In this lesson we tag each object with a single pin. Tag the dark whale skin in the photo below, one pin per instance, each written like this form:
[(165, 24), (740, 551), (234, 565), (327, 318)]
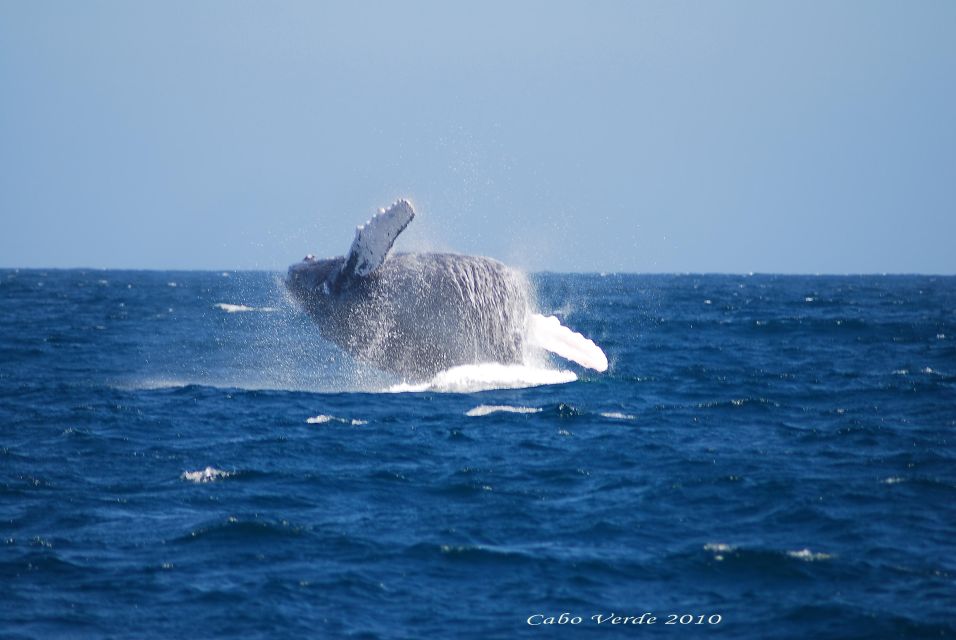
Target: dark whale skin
[(418, 313)]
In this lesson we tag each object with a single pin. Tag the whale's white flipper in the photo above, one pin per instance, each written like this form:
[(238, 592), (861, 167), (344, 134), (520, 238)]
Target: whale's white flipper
[(548, 333), (374, 238)]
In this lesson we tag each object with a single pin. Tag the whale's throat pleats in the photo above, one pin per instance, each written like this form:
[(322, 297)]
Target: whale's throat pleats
[(423, 313)]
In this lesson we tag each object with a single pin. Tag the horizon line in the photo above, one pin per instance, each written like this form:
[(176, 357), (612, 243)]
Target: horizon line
[(540, 271)]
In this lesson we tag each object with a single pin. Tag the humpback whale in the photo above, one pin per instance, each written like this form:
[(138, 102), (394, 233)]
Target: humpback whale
[(416, 314)]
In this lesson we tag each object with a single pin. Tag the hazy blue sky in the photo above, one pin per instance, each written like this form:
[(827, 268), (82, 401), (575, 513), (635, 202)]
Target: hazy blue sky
[(597, 136)]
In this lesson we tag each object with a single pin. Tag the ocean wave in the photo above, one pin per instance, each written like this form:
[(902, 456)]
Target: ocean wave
[(240, 308), (487, 409), (463, 379), (44, 560), (245, 530), (209, 474), (475, 553), (617, 415), (808, 556), (722, 551), (156, 384), (323, 419), (231, 383), (488, 376)]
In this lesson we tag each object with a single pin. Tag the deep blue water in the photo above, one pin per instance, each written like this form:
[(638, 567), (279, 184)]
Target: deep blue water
[(778, 451)]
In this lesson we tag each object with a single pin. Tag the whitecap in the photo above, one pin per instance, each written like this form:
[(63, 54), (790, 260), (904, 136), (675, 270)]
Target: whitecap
[(486, 409), (470, 378), (323, 419), (238, 308), (718, 549), (892, 480), (617, 415), (209, 474), (808, 556), (234, 308)]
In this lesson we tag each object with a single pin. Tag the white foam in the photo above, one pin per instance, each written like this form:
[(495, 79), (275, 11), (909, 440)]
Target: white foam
[(487, 409), (617, 415), (718, 549), (234, 308), (470, 378), (209, 474), (808, 556), (239, 308), (322, 419)]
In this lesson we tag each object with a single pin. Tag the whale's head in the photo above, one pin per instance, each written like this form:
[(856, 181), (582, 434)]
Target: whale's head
[(313, 279)]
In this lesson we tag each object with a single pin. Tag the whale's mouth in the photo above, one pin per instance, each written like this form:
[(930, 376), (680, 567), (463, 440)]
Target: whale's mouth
[(488, 376), (308, 277)]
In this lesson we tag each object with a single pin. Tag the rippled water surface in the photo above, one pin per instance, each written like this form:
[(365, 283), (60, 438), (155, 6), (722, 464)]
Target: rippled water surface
[(182, 456)]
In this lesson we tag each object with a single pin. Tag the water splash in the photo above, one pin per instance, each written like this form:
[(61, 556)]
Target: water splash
[(471, 378), (284, 350), (421, 315), (209, 474), (488, 409)]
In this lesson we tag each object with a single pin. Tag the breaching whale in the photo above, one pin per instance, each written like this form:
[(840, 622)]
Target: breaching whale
[(416, 314)]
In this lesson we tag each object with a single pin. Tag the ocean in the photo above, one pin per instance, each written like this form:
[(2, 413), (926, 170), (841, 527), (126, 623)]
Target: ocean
[(183, 456)]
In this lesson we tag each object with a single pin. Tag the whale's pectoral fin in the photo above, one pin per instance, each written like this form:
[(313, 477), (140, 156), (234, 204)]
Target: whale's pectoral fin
[(374, 238), (548, 333)]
